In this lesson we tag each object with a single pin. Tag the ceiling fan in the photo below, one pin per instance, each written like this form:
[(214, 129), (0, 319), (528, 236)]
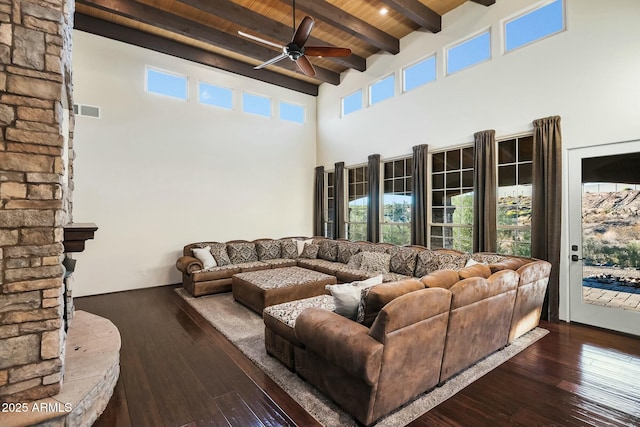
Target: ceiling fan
[(295, 50)]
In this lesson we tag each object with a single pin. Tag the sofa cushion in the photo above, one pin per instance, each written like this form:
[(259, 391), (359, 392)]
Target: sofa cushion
[(346, 250), (205, 257), (288, 312), (220, 254), (429, 261), (346, 297), (355, 261), (289, 248), (403, 260), (280, 262), (268, 249), (487, 257), (242, 252), (328, 250), (310, 251), (394, 277), (215, 273), (375, 261)]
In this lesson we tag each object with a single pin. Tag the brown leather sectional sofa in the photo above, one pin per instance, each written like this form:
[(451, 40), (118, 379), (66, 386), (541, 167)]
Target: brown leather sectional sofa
[(420, 336)]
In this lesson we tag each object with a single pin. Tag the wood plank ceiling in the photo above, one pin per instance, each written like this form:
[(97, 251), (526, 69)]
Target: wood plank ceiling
[(206, 31)]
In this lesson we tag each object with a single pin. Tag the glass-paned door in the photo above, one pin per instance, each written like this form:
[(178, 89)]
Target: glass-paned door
[(604, 213)]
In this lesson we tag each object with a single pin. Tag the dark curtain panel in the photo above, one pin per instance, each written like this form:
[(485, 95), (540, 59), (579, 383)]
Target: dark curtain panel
[(546, 205), (373, 208), (339, 201), (318, 203), (419, 206), (485, 232)]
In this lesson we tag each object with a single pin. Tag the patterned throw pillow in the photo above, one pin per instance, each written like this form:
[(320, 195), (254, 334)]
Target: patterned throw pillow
[(242, 252), (328, 250), (375, 261), (219, 252), (429, 261), (403, 260), (346, 250), (487, 257), (268, 249), (356, 261), (310, 251), (289, 249)]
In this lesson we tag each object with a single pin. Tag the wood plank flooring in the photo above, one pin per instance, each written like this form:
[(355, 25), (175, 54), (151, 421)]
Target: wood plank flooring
[(177, 370)]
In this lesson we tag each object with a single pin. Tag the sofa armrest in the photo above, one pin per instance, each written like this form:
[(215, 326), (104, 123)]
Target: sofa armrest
[(340, 341), (188, 264)]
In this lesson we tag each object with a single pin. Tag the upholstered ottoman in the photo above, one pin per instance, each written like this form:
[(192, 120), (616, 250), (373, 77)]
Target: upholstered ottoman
[(260, 289), (279, 322)]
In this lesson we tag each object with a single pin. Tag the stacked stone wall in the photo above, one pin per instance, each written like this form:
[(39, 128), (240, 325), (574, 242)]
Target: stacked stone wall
[(35, 86)]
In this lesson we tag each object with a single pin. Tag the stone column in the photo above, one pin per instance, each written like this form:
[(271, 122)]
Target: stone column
[(35, 88)]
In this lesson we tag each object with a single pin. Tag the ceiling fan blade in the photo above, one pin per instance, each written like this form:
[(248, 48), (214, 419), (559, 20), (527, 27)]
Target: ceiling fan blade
[(327, 51), (271, 61), (305, 66), (258, 39), (303, 31)]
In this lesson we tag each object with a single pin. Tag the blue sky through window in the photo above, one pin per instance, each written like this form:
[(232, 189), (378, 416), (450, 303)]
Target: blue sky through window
[(469, 52), (291, 112), (166, 84), (534, 25), (382, 89), (351, 103), (215, 95), (420, 73), (256, 104)]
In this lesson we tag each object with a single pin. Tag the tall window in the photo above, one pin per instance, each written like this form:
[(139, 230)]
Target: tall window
[(358, 197), (515, 158), (331, 205), (452, 199), (396, 201)]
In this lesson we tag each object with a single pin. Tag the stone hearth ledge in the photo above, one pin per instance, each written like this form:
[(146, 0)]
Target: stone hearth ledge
[(92, 368)]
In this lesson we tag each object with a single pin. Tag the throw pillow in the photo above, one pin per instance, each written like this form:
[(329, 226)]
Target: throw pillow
[(328, 250), (205, 257), (242, 252), (429, 261), (403, 260), (219, 252), (346, 296), (356, 261), (289, 248), (346, 250), (268, 249), (473, 262), (310, 251), (375, 261), (487, 257), (301, 243)]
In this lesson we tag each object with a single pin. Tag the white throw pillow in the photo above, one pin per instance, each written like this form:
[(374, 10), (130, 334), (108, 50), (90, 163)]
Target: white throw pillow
[(473, 262), (346, 297), (204, 255), (301, 243)]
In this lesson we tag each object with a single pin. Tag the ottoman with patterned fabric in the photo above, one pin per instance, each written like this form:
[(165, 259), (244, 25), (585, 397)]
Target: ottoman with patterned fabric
[(260, 289), (279, 322)]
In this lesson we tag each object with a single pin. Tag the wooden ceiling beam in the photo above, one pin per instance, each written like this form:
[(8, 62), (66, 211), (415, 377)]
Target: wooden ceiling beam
[(418, 13), (265, 26), (167, 21), (131, 36), (484, 2), (336, 17)]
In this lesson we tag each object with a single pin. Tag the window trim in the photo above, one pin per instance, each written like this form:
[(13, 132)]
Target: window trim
[(370, 87), (433, 55), (214, 105), (167, 72), (459, 42), (524, 12), (270, 116)]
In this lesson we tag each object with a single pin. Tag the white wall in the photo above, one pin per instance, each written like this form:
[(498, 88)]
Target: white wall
[(589, 75), (156, 173)]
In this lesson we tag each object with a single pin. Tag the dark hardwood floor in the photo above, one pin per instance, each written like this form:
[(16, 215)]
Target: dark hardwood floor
[(177, 370)]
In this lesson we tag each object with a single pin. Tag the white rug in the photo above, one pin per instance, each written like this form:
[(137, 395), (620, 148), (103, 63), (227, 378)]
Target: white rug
[(245, 329)]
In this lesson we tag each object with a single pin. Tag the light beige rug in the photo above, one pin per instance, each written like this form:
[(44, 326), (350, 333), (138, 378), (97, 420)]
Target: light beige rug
[(244, 328)]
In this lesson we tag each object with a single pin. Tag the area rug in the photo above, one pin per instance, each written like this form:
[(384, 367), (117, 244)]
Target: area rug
[(245, 330)]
